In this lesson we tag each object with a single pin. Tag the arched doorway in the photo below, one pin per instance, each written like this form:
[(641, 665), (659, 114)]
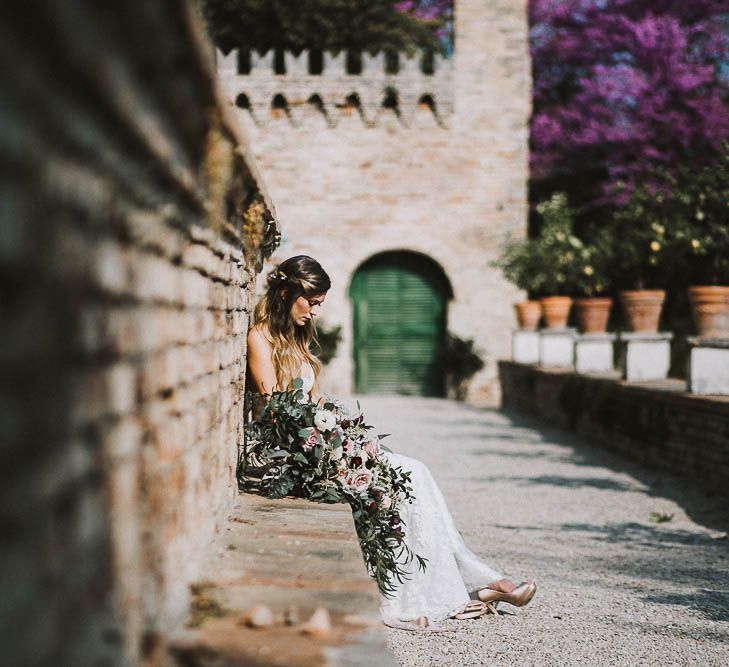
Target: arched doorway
[(400, 301)]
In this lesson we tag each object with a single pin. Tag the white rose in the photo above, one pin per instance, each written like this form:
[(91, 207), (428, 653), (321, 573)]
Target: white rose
[(336, 454), (325, 420)]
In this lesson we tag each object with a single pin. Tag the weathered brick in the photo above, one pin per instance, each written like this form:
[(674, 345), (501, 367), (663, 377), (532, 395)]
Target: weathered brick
[(111, 268), (103, 392), (155, 279)]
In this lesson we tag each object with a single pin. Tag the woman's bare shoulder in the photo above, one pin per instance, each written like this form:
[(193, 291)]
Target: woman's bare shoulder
[(259, 338)]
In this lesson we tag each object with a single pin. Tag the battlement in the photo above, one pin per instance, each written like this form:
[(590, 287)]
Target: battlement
[(272, 85)]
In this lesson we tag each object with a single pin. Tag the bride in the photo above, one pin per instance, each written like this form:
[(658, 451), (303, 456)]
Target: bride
[(455, 583)]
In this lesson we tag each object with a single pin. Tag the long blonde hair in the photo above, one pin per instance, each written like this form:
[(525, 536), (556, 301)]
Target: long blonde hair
[(292, 278)]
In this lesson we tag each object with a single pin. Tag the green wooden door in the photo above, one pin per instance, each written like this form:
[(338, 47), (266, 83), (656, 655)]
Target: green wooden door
[(399, 327)]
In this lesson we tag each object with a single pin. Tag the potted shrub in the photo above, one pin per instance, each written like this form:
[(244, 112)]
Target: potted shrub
[(698, 207), (548, 265), (518, 264), (555, 250), (640, 259), (592, 306)]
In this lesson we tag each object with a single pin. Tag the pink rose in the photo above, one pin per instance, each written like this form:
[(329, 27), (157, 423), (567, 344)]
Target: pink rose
[(311, 441), (372, 447), (359, 480)]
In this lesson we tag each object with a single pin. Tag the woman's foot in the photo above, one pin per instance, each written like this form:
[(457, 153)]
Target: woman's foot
[(503, 585), (519, 596)]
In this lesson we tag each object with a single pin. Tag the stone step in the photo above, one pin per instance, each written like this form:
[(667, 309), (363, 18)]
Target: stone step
[(293, 557)]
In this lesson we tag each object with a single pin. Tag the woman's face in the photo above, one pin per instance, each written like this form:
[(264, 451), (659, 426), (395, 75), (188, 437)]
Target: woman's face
[(306, 308)]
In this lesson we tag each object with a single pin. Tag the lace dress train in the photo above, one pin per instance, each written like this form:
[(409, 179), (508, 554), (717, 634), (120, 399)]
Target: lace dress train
[(453, 571)]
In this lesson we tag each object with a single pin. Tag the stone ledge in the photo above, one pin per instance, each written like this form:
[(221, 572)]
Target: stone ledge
[(292, 556)]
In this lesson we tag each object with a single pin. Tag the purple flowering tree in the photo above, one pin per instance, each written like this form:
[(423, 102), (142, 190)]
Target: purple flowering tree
[(624, 89), (439, 11)]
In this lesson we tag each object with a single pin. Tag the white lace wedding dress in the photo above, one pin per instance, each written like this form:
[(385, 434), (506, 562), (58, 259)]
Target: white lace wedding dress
[(452, 571)]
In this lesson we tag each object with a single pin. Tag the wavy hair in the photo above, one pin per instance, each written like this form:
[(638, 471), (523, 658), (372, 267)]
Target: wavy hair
[(292, 278)]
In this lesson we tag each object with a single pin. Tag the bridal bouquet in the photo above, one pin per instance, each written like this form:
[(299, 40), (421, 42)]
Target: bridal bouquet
[(324, 453)]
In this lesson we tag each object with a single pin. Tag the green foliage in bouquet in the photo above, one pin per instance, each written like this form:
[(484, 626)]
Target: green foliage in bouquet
[(324, 453)]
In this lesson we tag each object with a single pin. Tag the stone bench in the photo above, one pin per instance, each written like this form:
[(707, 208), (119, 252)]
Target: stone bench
[(292, 556)]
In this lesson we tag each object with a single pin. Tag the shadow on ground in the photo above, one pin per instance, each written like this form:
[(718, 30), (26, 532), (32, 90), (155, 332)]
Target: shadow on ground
[(707, 509)]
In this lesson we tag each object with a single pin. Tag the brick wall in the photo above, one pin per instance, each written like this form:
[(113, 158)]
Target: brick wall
[(132, 228), (348, 186), (661, 426)]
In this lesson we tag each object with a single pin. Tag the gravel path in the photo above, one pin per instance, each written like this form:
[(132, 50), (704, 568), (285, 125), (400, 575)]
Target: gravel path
[(616, 586)]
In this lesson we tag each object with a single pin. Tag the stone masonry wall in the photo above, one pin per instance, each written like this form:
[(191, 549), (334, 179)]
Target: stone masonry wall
[(661, 426), (450, 185), (130, 229)]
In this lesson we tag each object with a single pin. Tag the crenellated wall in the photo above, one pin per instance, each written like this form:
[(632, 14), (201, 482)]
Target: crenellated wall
[(334, 88)]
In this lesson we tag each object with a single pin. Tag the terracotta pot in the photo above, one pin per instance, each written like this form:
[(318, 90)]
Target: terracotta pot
[(593, 314), (710, 309), (642, 308), (556, 311), (528, 314)]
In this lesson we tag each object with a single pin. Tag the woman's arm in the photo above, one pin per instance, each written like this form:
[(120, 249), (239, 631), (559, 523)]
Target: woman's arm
[(260, 362)]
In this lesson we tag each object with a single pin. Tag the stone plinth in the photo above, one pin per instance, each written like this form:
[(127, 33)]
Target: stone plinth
[(556, 348), (525, 346), (645, 356), (708, 371), (594, 353)]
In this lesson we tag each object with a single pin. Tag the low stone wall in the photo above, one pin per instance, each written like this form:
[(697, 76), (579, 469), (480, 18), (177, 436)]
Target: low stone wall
[(131, 224), (656, 423)]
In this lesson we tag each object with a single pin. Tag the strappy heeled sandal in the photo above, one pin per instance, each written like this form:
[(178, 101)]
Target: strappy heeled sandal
[(474, 609), (519, 597)]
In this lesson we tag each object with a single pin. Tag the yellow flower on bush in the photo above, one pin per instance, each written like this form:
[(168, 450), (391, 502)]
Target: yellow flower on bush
[(588, 270), (695, 244), (655, 246)]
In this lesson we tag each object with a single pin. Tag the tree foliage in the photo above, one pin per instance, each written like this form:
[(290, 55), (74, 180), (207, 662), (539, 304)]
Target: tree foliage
[(328, 25), (621, 88)]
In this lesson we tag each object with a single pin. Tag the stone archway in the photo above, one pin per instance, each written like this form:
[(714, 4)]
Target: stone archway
[(399, 303)]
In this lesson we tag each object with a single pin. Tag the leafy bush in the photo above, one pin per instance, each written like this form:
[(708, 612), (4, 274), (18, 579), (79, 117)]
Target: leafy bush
[(327, 342), (460, 361)]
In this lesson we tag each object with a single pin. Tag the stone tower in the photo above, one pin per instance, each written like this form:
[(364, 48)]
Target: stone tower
[(400, 171)]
